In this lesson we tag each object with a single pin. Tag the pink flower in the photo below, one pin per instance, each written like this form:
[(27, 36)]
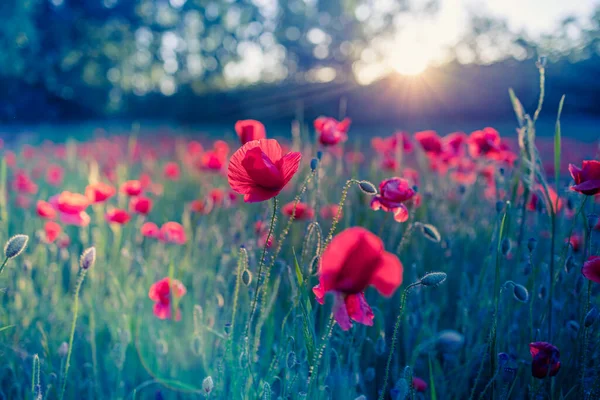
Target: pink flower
[(331, 131), (393, 193), (162, 292)]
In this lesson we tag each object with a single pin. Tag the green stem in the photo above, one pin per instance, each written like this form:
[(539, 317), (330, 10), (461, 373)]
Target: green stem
[(395, 337), (319, 354), (3, 265), (72, 335)]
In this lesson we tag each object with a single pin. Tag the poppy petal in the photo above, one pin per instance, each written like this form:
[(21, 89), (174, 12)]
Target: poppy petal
[(289, 165), (162, 311), (340, 313), (401, 213), (388, 276), (358, 309)]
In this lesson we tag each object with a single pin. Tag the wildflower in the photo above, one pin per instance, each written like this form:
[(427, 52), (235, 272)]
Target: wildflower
[(546, 359), (70, 203), (392, 194), (200, 206), (388, 146), (259, 170), (150, 229), (587, 179), (419, 384), (302, 212), (131, 188), (250, 129), (453, 145), (430, 142), (591, 269), (534, 200), (54, 175), (52, 231), (141, 205), (208, 385), (118, 216), (161, 293), (354, 260), (483, 142), (331, 131), (99, 192), (45, 209), (172, 232), (171, 171), (330, 211), (212, 160), (574, 241), (88, 258), (23, 184)]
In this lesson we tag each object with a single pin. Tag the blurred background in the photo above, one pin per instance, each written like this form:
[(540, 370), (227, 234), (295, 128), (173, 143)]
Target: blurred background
[(411, 64)]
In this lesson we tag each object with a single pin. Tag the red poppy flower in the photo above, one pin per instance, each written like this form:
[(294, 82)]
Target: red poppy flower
[(546, 359), (141, 205), (483, 142), (392, 194), (463, 171), (430, 142), (172, 232), (99, 192), (161, 293), (118, 216), (217, 196), (587, 179), (259, 171), (591, 269), (354, 260), (212, 160), (574, 241), (389, 164), (332, 131), (172, 171), (131, 188), (200, 207), (194, 148), (52, 231), (54, 175), (388, 146), (45, 209), (70, 203), (23, 184), (419, 384), (535, 199), (10, 158), (354, 157), (249, 129), (330, 211), (453, 144), (303, 211), (149, 229)]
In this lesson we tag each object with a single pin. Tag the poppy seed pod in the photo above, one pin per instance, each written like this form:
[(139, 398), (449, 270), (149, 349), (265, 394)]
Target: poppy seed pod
[(431, 233), (15, 246)]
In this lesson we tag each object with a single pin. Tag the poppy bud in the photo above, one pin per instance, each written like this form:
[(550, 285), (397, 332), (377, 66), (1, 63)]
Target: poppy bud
[(246, 277), (433, 279), (501, 171), (319, 155), (431, 233), (367, 187), (590, 317), (531, 244), (505, 246), (313, 164), (208, 385), (88, 258), (227, 328), (416, 188), (573, 327), (15, 246), (499, 206), (450, 341), (569, 264), (520, 293), (542, 292)]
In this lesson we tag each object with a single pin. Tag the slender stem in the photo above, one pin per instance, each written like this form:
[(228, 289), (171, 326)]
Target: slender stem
[(3, 265), (394, 338), (319, 354), (260, 267), (72, 335), (551, 294)]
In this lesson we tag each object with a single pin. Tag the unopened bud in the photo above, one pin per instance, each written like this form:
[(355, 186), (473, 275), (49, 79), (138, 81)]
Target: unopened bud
[(208, 385), (531, 244), (314, 163), (433, 279), (520, 293), (367, 187), (15, 246), (88, 258)]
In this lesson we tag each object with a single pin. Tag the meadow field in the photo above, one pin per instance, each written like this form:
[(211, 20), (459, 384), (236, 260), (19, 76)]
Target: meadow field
[(313, 265)]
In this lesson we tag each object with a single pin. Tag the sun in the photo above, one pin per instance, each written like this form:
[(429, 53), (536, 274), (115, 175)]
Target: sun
[(411, 66), (411, 57)]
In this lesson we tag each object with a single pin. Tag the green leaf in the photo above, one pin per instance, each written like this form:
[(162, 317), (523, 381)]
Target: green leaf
[(431, 381), (306, 311), (557, 143)]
